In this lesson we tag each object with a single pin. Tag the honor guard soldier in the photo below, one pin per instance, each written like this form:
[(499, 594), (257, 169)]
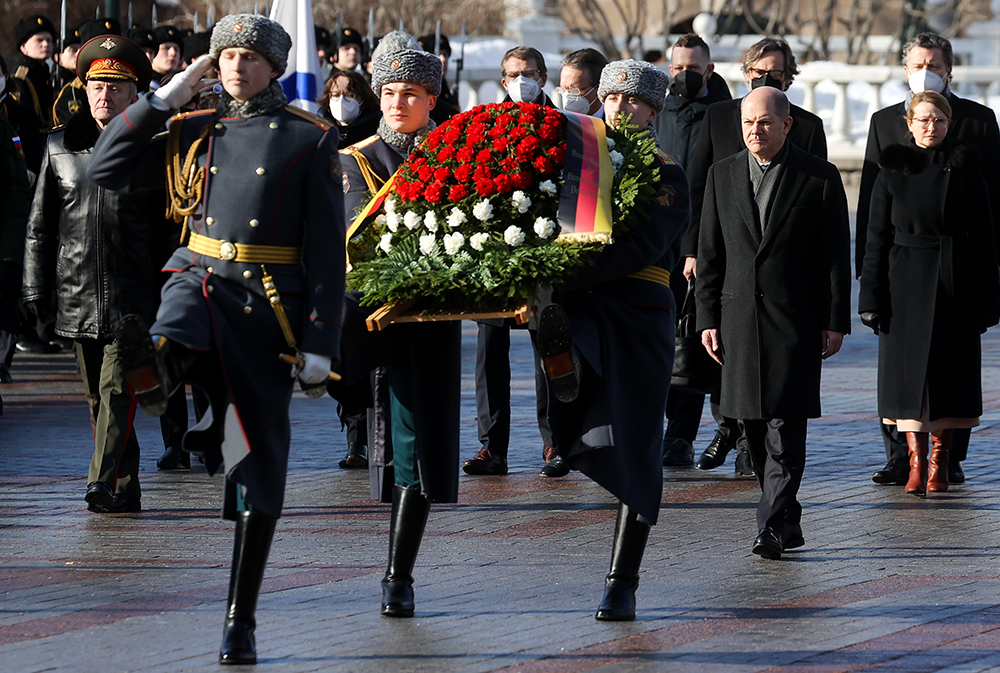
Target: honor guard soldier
[(35, 39), (607, 345), (423, 359), (257, 184)]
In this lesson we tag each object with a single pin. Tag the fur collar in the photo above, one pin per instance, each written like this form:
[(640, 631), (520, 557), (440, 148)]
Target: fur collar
[(909, 159), (404, 142), (269, 100), (81, 132)]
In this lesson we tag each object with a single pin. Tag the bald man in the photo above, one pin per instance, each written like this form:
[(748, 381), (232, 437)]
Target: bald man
[(774, 288)]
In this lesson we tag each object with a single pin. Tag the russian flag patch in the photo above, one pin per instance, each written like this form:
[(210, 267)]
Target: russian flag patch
[(17, 146)]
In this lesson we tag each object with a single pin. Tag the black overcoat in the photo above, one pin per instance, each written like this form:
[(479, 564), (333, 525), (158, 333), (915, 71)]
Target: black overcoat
[(770, 296), (930, 272), (974, 123)]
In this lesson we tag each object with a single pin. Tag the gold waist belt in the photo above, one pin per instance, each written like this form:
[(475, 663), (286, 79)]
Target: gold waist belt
[(654, 274), (243, 252)]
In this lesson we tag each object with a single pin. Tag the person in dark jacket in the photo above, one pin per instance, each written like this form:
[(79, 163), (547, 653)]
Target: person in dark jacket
[(73, 246), (348, 102), (929, 287), (15, 204), (774, 300), (27, 126), (257, 186), (607, 343), (769, 62), (695, 86), (928, 61), (34, 36)]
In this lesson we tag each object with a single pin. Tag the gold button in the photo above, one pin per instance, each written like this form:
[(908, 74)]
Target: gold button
[(254, 223), (211, 270), (248, 274), (214, 170), (219, 126), (247, 309), (210, 221), (260, 171), (210, 288), (273, 125)]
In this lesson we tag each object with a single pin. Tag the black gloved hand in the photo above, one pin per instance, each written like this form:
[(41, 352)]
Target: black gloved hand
[(870, 319), (38, 309)]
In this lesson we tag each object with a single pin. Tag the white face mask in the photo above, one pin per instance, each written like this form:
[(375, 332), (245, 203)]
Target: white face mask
[(925, 80), (523, 90), (576, 103), (344, 109)]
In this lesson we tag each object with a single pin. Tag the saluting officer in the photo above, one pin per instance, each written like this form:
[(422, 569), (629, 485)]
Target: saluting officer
[(257, 184)]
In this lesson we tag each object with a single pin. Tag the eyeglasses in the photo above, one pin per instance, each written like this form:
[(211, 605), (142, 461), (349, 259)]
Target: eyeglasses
[(573, 91), (925, 122), (530, 74), (776, 74)]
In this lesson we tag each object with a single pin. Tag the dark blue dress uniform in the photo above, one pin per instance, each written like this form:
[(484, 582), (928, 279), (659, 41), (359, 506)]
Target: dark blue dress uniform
[(272, 189), (423, 359)]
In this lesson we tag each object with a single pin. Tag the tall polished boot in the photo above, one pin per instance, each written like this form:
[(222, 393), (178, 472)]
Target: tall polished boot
[(254, 531), (916, 443), (618, 604), (406, 529), (937, 468)]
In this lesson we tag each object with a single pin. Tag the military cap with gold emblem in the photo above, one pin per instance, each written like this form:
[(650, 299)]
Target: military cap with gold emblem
[(31, 25), (634, 78), (254, 32), (110, 58)]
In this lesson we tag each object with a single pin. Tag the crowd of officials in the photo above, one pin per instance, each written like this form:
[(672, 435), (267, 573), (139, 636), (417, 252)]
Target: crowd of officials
[(102, 130)]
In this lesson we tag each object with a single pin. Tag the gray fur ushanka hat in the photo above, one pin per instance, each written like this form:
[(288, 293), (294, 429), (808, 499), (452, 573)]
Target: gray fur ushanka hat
[(407, 65), (254, 32), (634, 78)]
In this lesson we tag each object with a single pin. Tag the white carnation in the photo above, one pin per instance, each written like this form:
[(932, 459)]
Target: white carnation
[(411, 220), (617, 159), (513, 236), (386, 243), (380, 219), (521, 201), (545, 227), (392, 221), (483, 210), (427, 243), (477, 241), (453, 242), (457, 218), (431, 221), (548, 187), (611, 143), (390, 205)]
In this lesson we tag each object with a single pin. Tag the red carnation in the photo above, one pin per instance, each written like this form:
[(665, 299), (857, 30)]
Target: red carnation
[(517, 133), (426, 173), (458, 192), (465, 155), (543, 165), (433, 192), (463, 173), (548, 132), (557, 154), (483, 173), (485, 188), (521, 180), (483, 156), (503, 183), (501, 144), (446, 153), (510, 164), (442, 174)]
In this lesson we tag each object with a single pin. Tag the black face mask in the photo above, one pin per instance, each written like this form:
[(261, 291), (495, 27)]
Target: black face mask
[(688, 84), (767, 80)]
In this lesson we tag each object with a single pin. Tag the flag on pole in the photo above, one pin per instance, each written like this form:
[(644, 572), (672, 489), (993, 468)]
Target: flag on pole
[(301, 80)]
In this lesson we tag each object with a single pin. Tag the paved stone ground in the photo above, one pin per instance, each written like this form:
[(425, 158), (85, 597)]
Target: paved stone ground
[(509, 578)]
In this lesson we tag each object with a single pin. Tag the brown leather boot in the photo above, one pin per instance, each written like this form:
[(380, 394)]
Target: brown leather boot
[(916, 442), (937, 469)]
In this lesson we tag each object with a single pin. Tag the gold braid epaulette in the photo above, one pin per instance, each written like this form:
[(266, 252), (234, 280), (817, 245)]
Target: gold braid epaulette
[(372, 178), (185, 183)]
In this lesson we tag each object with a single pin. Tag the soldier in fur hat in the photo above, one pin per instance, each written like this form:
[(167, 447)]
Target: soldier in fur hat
[(35, 38)]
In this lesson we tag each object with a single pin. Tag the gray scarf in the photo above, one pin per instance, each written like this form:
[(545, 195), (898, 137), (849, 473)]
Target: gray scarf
[(405, 142), (269, 100)]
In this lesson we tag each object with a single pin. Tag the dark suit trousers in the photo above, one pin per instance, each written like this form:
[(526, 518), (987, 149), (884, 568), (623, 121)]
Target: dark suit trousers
[(778, 451)]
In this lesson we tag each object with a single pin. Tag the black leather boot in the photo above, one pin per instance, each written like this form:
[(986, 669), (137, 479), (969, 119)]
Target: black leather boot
[(618, 604), (406, 528), (254, 531)]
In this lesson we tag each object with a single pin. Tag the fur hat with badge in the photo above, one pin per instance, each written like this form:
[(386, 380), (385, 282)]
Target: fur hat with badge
[(254, 32), (409, 63), (634, 78)]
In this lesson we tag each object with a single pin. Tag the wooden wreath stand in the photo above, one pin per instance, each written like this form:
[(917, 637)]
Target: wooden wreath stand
[(520, 310)]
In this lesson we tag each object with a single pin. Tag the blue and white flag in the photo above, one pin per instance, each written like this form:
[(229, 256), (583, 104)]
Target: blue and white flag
[(301, 80)]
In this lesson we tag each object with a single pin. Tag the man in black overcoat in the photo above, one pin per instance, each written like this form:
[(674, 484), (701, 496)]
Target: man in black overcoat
[(774, 299), (769, 62), (927, 61)]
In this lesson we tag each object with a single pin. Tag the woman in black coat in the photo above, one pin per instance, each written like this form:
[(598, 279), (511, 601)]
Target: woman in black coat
[(349, 102), (929, 287)]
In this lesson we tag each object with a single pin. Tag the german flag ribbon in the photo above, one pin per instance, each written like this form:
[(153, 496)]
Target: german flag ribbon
[(370, 211), (585, 198)]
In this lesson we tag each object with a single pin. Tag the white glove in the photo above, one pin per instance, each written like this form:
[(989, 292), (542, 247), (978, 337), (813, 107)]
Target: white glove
[(183, 86), (315, 369)]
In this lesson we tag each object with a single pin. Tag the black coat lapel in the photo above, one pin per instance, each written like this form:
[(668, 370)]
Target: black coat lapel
[(739, 175), (790, 184)]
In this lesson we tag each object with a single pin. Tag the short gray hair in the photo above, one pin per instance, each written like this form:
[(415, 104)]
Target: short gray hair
[(930, 41)]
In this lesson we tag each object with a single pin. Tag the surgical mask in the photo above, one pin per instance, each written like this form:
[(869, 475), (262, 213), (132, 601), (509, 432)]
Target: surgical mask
[(576, 103), (688, 84), (767, 80), (344, 109), (926, 80), (523, 90)]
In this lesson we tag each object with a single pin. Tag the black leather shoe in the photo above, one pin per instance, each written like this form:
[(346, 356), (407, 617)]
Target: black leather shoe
[(486, 464), (895, 473), (554, 344), (99, 497), (35, 347), (122, 504), (555, 468), (715, 454), (955, 474), (357, 456), (238, 643), (397, 598), (174, 458), (767, 545), (677, 452), (744, 466), (791, 537)]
